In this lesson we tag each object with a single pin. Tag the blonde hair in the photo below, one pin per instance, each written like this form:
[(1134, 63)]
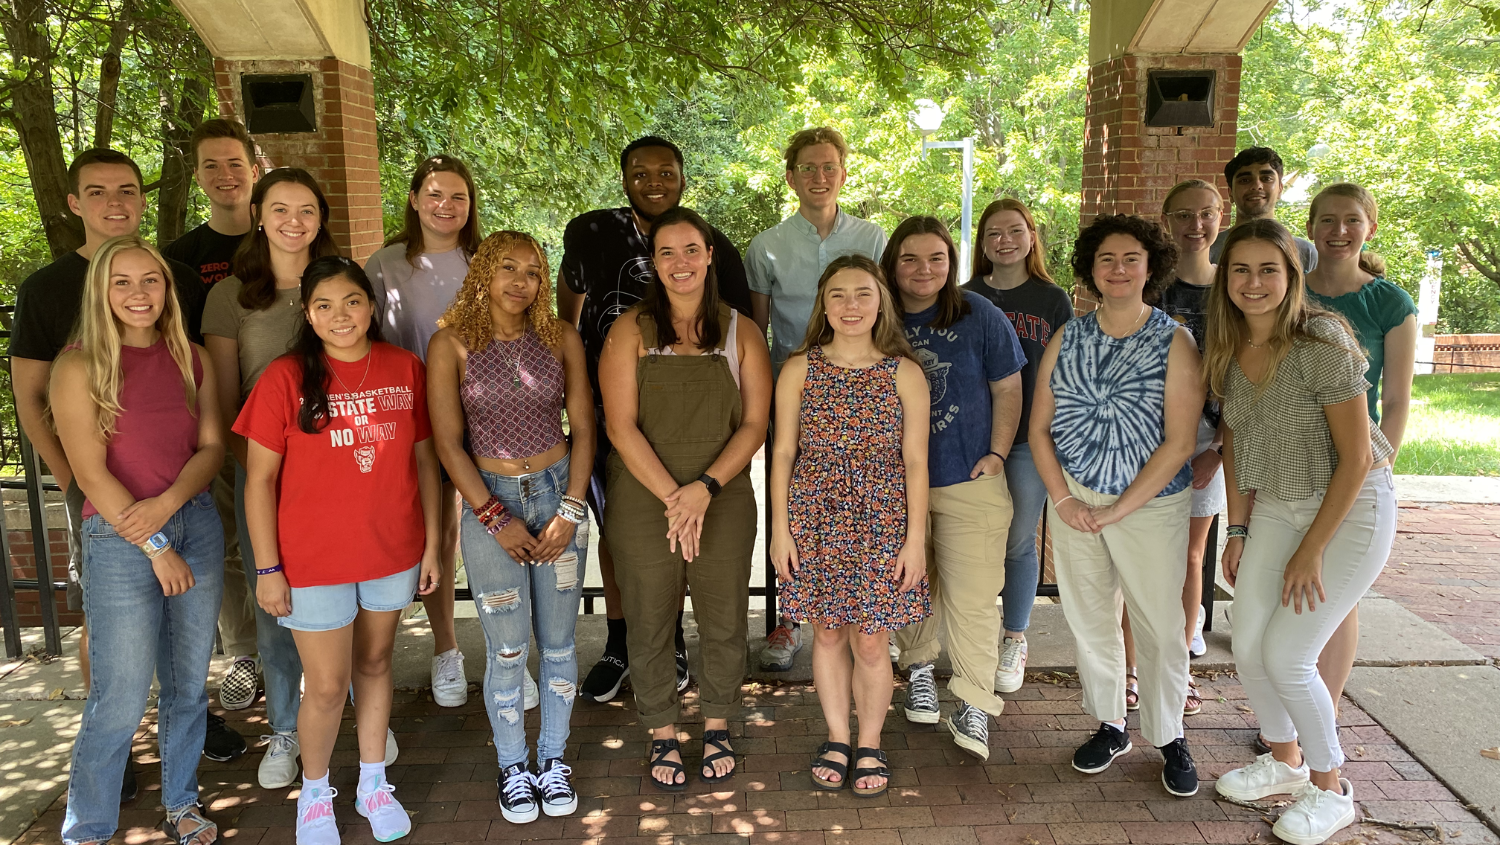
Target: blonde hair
[(469, 315), (1225, 323), (97, 334), (1369, 260), (1036, 259), (888, 333), (811, 138), (1188, 185)]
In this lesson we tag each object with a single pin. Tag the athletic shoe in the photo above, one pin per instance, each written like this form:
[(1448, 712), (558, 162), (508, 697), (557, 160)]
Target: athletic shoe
[(921, 695), (970, 727), (220, 742), (315, 822), (449, 686), (128, 786), (781, 648), (1012, 671), (1178, 774), (604, 680), (895, 651), (531, 697), (1101, 750), (556, 787), (388, 819), (1317, 815), (241, 684), (391, 749), (1198, 648), (278, 768), (1266, 776), (518, 796), (683, 678)]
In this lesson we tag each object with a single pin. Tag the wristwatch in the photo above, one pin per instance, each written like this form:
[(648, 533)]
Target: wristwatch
[(156, 544), (711, 483)]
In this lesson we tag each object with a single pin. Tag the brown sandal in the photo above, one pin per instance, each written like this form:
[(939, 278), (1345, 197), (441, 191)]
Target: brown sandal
[(1194, 704), (1132, 691)]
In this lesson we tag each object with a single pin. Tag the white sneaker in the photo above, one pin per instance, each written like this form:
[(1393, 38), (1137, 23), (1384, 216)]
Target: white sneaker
[(1012, 671), (315, 822), (449, 686), (781, 648), (531, 697), (895, 651), (278, 768), (391, 749), (1198, 647), (1317, 815), (1266, 776), (388, 819)]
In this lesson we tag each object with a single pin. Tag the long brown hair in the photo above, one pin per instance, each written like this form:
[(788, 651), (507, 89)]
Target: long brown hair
[(252, 261), (1369, 260), (888, 333), (1036, 259), (656, 304), (411, 228), (1226, 327), (469, 315), (951, 305)]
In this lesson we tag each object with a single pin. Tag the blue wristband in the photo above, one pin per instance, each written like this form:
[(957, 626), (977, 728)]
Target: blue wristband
[(276, 568)]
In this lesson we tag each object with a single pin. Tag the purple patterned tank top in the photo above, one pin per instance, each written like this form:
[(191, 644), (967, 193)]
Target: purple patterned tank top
[(513, 398)]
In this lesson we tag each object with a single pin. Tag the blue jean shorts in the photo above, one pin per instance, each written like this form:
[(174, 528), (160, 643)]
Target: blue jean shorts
[(332, 606)]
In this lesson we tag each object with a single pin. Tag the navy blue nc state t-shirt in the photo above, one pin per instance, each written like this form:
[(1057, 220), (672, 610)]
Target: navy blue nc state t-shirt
[(960, 362)]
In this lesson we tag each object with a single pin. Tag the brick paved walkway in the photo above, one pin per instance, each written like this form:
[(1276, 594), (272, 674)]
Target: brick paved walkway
[(1445, 568), (1027, 794)]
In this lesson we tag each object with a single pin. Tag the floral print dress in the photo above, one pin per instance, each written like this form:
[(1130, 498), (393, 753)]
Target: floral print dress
[(847, 506)]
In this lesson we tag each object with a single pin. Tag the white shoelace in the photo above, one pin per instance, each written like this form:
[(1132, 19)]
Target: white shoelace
[(448, 666), (318, 808), (278, 745), (554, 781), (518, 787), (975, 722), (923, 690), (1010, 656)]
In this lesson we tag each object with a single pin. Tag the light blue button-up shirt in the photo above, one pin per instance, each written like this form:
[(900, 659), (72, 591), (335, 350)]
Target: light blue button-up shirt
[(785, 261)]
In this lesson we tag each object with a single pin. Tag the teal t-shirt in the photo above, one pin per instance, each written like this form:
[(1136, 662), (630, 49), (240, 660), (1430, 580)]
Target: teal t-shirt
[(1373, 310)]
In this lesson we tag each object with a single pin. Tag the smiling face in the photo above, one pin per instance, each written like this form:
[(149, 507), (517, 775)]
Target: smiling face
[(137, 289), (291, 217), (442, 204), (1257, 281), (682, 258), (1193, 219), (851, 301), (1340, 228), (340, 312), (1121, 268), (921, 270), (817, 176), (517, 280), (1255, 190), (1006, 239), (225, 172), (653, 181), (108, 200)]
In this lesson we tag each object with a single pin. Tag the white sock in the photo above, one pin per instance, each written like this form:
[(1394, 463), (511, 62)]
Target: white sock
[(1119, 726), (314, 783), (371, 775)]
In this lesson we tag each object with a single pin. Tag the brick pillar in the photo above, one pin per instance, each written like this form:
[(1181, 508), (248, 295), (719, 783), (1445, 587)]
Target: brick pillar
[(342, 154)]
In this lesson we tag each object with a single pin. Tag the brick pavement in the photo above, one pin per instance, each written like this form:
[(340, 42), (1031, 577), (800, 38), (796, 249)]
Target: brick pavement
[(1445, 567), (1027, 794)]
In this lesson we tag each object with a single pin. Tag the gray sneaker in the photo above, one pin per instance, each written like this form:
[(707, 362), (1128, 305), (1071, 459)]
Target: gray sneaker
[(970, 727), (781, 648), (921, 695)]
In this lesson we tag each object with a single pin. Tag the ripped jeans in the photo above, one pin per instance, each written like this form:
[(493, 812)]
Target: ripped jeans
[(516, 600)]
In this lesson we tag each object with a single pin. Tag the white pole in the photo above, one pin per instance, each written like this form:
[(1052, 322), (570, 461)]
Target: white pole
[(1427, 312), (967, 216)]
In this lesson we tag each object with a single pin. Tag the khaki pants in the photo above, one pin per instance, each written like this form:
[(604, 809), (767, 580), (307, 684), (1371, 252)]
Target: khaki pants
[(967, 528), (237, 612), (1141, 559)]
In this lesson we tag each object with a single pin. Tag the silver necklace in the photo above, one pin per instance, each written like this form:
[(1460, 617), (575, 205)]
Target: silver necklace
[(513, 362), (370, 356)]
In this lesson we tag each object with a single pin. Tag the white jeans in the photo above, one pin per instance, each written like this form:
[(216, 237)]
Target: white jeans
[(1142, 561), (1275, 648)]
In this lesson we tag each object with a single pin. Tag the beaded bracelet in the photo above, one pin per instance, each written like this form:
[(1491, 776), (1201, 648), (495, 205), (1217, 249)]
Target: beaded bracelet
[(1241, 531), (269, 570), (575, 500), (499, 523), (487, 512), (571, 512)]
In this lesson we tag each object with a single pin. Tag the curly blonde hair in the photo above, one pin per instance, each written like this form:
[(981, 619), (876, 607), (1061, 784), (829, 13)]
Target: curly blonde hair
[(469, 315)]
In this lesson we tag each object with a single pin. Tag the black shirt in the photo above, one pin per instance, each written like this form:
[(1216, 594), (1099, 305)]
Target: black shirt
[(207, 251), (605, 258), (1036, 308), (1188, 304), (49, 301)]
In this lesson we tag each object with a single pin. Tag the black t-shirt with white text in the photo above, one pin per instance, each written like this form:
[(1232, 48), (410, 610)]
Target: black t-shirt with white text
[(1036, 308), (1188, 304), (207, 251)]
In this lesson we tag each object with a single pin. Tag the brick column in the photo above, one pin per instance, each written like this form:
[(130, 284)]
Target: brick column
[(342, 154)]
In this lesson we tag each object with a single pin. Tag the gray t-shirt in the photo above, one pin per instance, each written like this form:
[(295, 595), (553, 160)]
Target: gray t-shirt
[(411, 297), (1305, 250), (263, 336)]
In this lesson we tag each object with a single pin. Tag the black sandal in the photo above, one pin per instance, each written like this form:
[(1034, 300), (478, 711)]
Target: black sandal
[(201, 824), (881, 771), (821, 761), (720, 741), (660, 748)]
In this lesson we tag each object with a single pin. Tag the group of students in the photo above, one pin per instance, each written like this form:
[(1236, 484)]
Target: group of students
[(920, 427)]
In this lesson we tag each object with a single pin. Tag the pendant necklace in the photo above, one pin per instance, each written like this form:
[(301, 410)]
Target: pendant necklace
[(513, 362), (369, 356)]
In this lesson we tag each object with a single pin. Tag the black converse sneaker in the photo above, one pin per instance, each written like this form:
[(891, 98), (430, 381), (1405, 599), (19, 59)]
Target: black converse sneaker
[(1101, 750), (970, 727), (518, 796), (682, 669), (558, 797), (1178, 774), (921, 695)]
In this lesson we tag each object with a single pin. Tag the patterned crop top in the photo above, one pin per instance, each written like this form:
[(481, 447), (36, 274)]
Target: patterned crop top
[(513, 398)]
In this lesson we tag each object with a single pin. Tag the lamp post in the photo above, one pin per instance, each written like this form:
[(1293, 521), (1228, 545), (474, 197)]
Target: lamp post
[(928, 117)]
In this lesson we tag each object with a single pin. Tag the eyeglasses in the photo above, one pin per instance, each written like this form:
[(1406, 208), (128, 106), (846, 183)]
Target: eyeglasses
[(829, 169), (1186, 216)]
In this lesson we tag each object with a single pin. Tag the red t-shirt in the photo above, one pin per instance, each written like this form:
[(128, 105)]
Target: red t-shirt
[(347, 503)]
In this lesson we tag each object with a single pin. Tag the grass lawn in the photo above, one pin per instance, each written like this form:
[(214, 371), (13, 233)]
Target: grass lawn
[(1454, 427)]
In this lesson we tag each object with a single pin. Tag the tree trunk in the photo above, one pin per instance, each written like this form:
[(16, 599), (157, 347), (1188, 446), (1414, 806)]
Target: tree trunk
[(1482, 257), (33, 114), (177, 127), (109, 76)]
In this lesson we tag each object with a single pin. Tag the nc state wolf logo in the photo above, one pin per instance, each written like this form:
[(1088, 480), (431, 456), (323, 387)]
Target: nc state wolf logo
[(365, 457)]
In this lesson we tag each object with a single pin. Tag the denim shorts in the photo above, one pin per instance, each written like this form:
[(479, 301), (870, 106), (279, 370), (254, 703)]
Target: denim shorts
[(332, 606)]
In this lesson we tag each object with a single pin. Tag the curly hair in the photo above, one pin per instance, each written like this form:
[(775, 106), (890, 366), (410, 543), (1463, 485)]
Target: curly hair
[(1161, 252), (469, 315)]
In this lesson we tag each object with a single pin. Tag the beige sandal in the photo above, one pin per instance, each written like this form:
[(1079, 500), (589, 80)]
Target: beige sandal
[(1194, 704)]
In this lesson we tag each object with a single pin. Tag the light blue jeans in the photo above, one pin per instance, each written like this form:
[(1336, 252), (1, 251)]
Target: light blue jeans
[(516, 600), (278, 651), (1028, 496), (135, 632)]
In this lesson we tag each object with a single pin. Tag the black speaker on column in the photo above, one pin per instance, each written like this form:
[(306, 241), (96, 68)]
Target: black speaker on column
[(1180, 98), (278, 103)]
